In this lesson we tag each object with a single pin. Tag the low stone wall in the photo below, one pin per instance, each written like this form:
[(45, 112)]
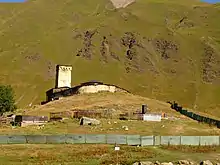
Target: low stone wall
[(28, 123)]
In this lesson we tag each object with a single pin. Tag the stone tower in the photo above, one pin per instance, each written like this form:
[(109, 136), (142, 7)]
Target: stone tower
[(63, 76)]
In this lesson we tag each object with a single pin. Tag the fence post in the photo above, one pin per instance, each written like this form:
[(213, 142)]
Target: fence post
[(160, 141), (141, 140), (106, 139), (199, 140), (26, 139), (154, 140)]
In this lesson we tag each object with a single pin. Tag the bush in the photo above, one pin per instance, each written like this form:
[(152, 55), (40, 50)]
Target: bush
[(7, 102), (191, 149)]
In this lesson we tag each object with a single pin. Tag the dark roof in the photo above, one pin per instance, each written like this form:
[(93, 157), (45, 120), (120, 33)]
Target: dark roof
[(57, 89), (62, 65), (20, 118), (93, 82)]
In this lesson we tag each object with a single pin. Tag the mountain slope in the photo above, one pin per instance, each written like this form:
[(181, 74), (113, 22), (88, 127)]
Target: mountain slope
[(166, 50)]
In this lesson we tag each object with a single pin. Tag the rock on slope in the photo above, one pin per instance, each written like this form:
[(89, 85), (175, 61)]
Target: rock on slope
[(121, 3)]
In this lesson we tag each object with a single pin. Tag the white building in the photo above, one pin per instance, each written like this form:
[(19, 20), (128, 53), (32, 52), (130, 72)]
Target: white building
[(151, 117)]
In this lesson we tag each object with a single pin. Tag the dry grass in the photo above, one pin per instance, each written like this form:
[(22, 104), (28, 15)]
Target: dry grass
[(192, 149), (94, 154), (120, 102), (73, 154), (166, 127)]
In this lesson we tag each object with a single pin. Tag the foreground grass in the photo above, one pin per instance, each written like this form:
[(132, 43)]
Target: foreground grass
[(165, 127), (100, 154)]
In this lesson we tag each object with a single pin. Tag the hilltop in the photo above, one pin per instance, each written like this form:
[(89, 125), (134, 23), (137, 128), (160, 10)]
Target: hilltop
[(116, 102), (162, 49)]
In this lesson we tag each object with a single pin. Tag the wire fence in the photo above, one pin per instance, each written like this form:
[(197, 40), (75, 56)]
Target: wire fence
[(111, 139)]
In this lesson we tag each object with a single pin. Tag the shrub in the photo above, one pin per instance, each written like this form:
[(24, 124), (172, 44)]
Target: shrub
[(7, 101)]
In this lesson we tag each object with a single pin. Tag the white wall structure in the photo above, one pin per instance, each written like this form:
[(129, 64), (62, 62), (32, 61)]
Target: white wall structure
[(63, 78), (97, 88), (152, 117)]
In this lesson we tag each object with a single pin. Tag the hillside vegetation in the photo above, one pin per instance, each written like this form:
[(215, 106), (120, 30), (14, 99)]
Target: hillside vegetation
[(162, 49)]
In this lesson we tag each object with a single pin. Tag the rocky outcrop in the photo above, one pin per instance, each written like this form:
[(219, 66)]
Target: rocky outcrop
[(121, 3), (206, 162), (151, 163), (89, 121), (184, 162), (144, 163), (180, 162), (165, 163)]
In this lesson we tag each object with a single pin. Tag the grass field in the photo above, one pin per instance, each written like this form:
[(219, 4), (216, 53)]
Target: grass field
[(101, 154), (170, 59), (176, 127)]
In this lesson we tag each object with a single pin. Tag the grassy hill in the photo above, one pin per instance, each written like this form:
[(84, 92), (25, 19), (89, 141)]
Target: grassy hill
[(115, 104), (162, 49)]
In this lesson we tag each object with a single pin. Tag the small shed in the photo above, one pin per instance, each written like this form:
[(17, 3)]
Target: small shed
[(23, 120), (152, 117)]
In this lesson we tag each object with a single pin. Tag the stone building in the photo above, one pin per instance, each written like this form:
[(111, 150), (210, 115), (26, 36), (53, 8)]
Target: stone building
[(63, 86)]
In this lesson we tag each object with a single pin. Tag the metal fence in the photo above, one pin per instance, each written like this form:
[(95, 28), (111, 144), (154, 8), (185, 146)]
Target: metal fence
[(195, 116), (111, 139)]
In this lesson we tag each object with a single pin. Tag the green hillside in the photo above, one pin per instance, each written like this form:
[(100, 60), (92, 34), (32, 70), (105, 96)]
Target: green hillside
[(163, 49)]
